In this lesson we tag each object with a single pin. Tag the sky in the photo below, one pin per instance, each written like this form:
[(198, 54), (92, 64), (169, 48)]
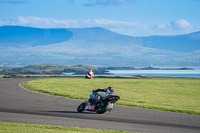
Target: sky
[(128, 17)]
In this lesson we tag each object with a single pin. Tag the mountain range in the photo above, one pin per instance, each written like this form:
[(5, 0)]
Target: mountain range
[(20, 46)]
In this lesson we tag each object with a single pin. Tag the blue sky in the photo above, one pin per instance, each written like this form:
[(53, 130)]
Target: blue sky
[(129, 17)]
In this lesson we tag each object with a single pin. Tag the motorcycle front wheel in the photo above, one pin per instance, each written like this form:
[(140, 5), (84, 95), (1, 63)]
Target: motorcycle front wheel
[(103, 109), (81, 107)]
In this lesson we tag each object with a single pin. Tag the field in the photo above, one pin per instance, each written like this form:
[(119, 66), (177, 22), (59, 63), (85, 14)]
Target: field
[(6, 127), (168, 94)]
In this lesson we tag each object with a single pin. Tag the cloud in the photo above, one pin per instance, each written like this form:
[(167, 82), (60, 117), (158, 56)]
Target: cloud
[(31, 21), (39, 22), (107, 2), (161, 26), (180, 24), (57, 23), (174, 27), (15, 1), (101, 22)]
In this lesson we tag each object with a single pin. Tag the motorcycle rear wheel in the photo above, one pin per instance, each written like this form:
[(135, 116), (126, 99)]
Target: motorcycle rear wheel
[(81, 107), (103, 109)]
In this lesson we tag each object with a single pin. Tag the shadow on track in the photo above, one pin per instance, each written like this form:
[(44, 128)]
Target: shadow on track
[(71, 112)]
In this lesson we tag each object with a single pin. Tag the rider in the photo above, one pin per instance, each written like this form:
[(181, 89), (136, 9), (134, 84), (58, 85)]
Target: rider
[(95, 97), (108, 90), (90, 74)]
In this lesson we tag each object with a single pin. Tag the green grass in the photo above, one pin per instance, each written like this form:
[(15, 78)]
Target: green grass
[(169, 94), (6, 127)]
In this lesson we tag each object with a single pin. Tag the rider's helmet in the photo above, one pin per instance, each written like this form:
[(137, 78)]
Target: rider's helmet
[(110, 90)]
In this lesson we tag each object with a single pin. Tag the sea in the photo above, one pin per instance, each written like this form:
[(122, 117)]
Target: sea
[(165, 73)]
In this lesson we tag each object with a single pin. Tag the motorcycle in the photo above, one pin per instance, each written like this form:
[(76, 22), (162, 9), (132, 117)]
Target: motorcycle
[(99, 103)]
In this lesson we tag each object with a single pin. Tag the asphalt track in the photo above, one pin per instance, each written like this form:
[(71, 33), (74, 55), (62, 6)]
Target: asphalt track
[(24, 106)]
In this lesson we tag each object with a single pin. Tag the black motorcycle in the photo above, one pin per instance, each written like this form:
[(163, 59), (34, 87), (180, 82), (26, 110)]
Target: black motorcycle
[(99, 103)]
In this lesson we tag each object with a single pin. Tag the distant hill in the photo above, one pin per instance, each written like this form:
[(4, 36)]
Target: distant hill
[(16, 36), (30, 37), (95, 46), (180, 43)]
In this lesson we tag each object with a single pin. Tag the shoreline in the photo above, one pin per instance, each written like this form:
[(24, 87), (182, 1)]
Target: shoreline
[(83, 76)]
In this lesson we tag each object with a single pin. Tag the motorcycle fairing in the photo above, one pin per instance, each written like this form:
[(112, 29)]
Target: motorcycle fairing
[(112, 98), (90, 107)]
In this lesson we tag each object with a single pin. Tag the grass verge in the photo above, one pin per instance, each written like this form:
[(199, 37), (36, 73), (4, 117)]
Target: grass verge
[(168, 94), (6, 127)]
